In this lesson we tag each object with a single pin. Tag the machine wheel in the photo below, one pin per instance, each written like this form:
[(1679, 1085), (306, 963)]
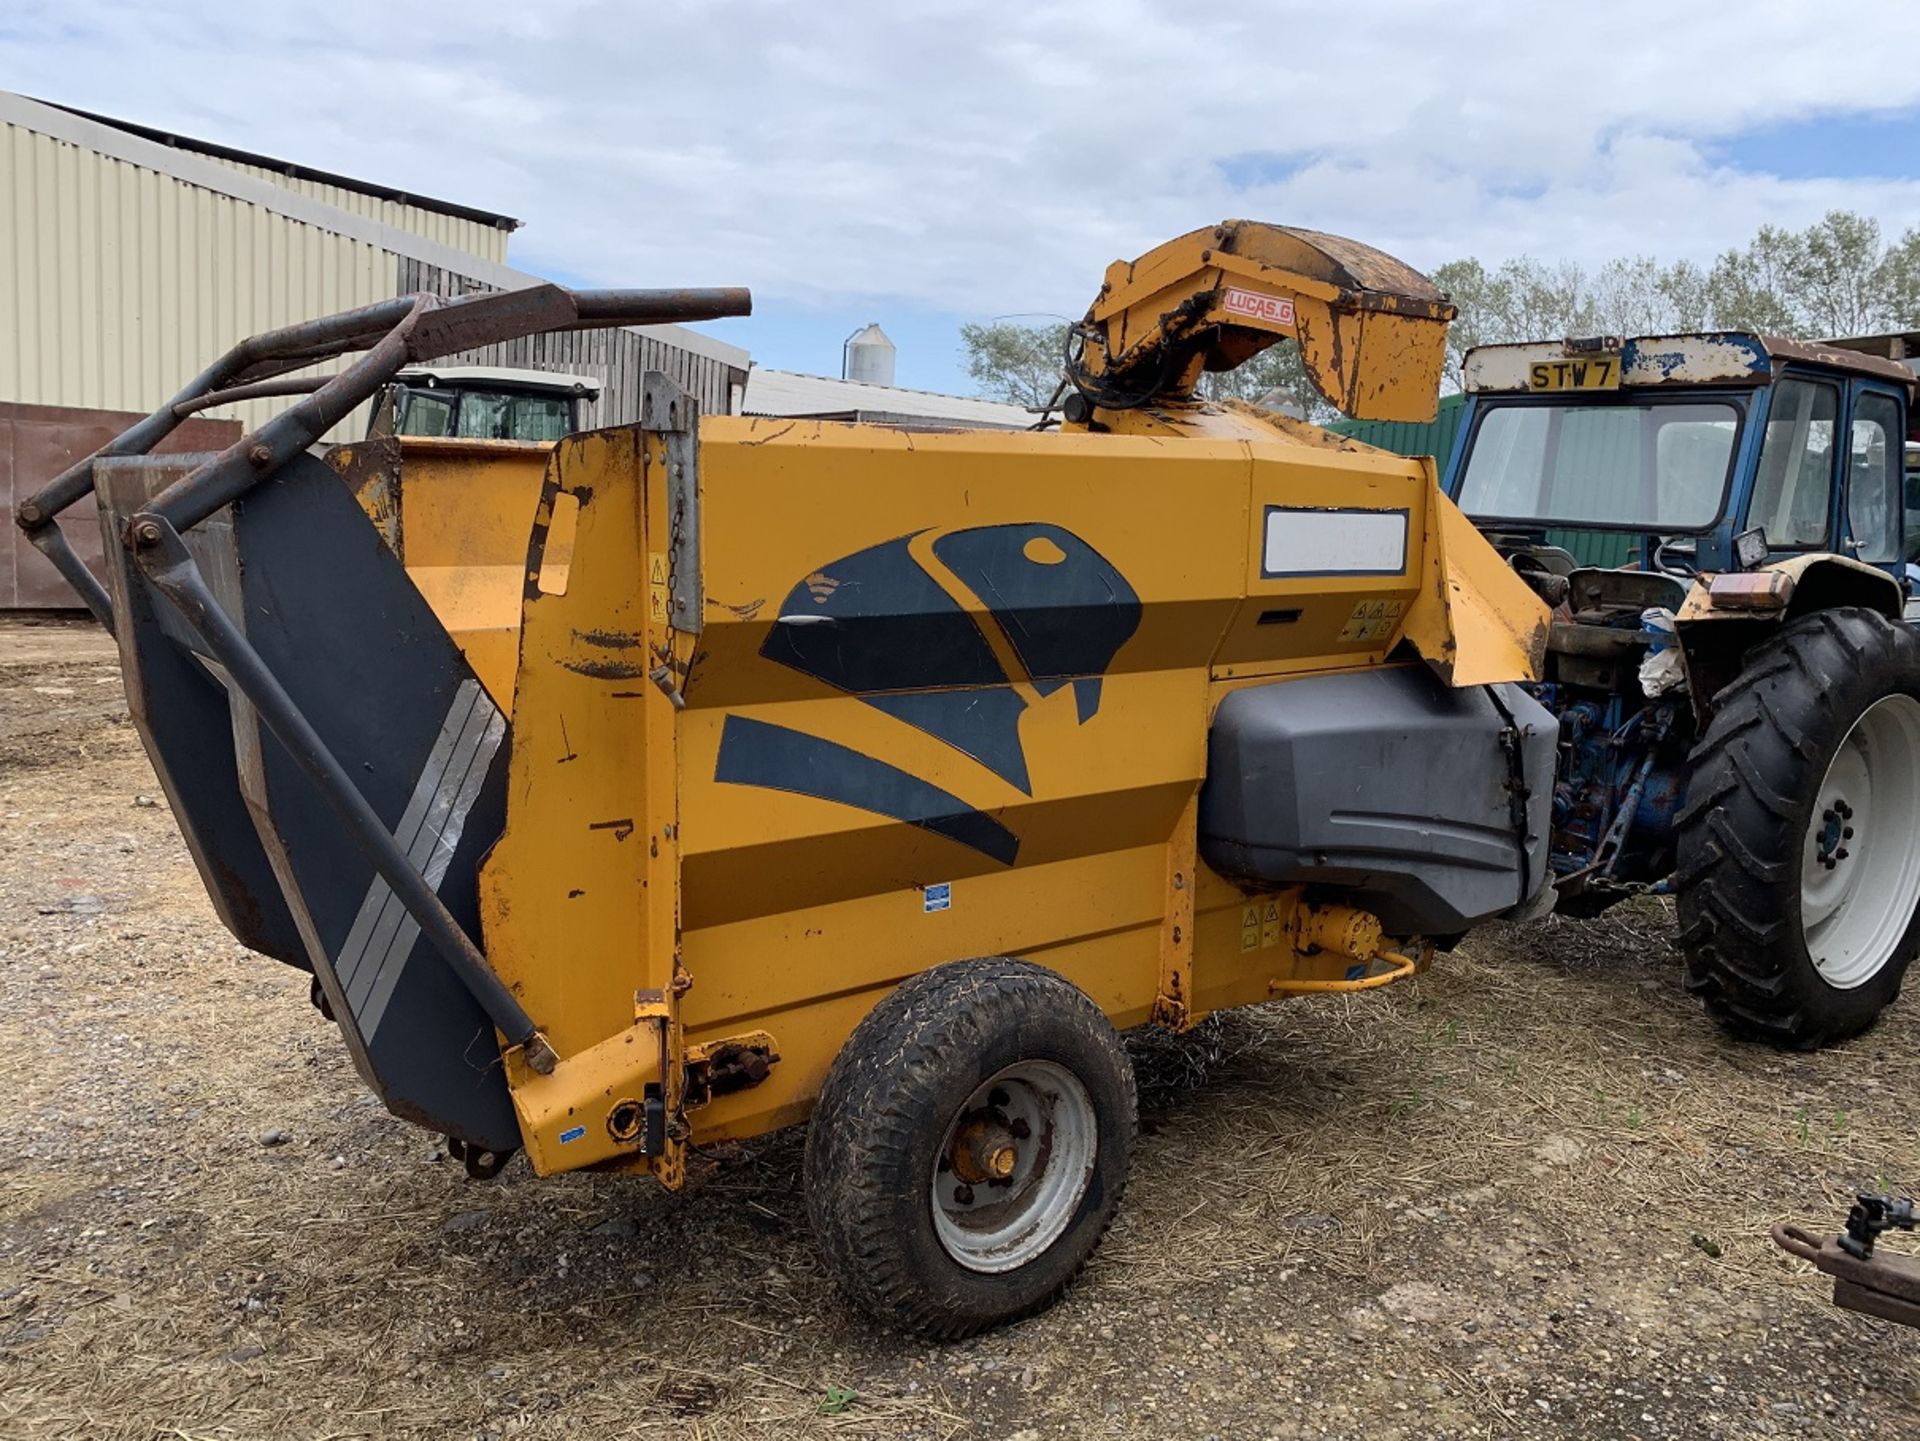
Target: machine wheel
[(1799, 847), (970, 1147)]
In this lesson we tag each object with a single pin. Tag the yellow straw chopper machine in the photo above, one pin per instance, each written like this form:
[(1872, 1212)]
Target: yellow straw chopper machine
[(689, 779)]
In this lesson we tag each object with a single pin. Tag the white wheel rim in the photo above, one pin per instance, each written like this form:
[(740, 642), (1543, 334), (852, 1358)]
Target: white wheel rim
[(1860, 864), (1014, 1165)]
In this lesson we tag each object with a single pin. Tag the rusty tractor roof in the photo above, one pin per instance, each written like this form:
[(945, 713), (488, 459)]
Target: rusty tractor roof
[(1708, 357)]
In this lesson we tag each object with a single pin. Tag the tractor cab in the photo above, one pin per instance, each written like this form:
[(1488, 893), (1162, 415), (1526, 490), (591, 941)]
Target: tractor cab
[(1714, 452), (483, 402)]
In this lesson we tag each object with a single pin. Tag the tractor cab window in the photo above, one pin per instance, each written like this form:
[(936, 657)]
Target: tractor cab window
[(1911, 551), (426, 413), (1874, 479), (506, 415), (1655, 465), (1794, 485)]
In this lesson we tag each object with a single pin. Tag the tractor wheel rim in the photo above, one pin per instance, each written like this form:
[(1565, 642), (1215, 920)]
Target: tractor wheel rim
[(1860, 862), (1016, 1162)]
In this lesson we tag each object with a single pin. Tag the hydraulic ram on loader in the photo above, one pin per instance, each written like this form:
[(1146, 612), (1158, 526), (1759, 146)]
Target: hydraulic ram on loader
[(852, 773)]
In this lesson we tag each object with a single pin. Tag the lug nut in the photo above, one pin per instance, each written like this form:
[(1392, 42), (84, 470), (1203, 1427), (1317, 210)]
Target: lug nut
[(963, 1195), (1846, 833), (997, 1097), (1841, 854), (1020, 1129)]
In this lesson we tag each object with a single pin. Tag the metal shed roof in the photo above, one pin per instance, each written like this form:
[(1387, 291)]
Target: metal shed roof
[(821, 397), (289, 168)]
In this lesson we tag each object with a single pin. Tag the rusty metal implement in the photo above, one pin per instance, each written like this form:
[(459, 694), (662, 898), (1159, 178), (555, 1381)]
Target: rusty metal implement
[(1866, 1280)]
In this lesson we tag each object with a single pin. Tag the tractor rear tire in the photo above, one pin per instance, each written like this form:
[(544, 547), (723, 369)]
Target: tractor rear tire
[(969, 1147), (1798, 875)]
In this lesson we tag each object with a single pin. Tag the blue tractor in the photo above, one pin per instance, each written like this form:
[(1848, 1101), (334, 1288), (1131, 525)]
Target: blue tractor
[(1739, 704)]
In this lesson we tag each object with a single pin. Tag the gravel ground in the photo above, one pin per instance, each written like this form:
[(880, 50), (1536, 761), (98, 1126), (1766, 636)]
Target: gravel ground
[(1525, 1196)]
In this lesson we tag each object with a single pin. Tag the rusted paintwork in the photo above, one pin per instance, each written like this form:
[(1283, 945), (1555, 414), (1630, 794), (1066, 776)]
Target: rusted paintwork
[(1721, 357), (1877, 1283), (1372, 331), (371, 470), (1792, 587)]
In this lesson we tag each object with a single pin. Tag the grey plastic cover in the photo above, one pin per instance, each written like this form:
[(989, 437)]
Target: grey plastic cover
[(1388, 786)]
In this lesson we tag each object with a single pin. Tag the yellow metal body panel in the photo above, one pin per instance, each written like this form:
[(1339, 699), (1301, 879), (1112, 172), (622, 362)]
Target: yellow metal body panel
[(1372, 332), (664, 882), (1476, 622), (460, 521)]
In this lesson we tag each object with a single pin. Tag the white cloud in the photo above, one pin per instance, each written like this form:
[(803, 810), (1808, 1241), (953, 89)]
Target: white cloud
[(989, 159)]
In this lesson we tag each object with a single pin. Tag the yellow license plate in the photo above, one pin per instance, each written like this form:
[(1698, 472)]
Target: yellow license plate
[(1599, 372)]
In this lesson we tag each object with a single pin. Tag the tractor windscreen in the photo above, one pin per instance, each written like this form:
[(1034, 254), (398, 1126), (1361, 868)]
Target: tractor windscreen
[(1651, 465)]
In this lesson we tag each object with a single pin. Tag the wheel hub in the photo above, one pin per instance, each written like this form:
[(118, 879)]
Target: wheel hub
[(986, 1147), (1828, 848), (1014, 1166)]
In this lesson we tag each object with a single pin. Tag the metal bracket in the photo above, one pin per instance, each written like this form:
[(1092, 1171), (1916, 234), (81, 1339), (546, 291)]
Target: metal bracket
[(1173, 1004), (674, 415), (733, 1063), (1877, 1284), (664, 1140)]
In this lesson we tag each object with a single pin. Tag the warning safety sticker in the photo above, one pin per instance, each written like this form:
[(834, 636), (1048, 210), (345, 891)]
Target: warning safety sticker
[(1373, 620)]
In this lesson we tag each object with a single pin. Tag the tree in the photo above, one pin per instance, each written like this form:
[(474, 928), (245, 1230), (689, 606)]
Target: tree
[(1684, 286), (1748, 289), (1832, 275), (1834, 278), (1521, 300), (1277, 375), (1897, 282), (1020, 364)]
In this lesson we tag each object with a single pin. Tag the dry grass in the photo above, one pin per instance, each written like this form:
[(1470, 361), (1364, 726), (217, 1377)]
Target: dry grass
[(1526, 1195)]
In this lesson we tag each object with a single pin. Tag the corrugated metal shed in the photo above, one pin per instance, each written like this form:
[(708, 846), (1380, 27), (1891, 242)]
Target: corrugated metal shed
[(463, 227), (616, 358), (488, 241), (136, 262), (133, 261), (1436, 438), (125, 282), (821, 397)]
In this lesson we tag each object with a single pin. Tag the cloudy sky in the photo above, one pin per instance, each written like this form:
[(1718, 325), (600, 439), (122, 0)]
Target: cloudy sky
[(923, 164)]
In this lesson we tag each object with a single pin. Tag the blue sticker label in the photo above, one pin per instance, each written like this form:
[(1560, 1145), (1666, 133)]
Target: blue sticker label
[(572, 1133), (1357, 973), (939, 897)]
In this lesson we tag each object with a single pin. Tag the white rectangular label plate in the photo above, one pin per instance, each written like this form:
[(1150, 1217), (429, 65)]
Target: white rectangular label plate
[(1302, 541)]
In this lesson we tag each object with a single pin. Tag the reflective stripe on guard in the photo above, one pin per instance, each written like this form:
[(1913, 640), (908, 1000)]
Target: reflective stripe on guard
[(383, 933)]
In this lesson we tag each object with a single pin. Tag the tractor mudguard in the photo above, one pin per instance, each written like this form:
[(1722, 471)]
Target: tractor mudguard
[(297, 566)]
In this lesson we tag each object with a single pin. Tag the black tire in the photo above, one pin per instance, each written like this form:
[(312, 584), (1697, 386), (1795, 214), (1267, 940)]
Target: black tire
[(1756, 778), (888, 1107)]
